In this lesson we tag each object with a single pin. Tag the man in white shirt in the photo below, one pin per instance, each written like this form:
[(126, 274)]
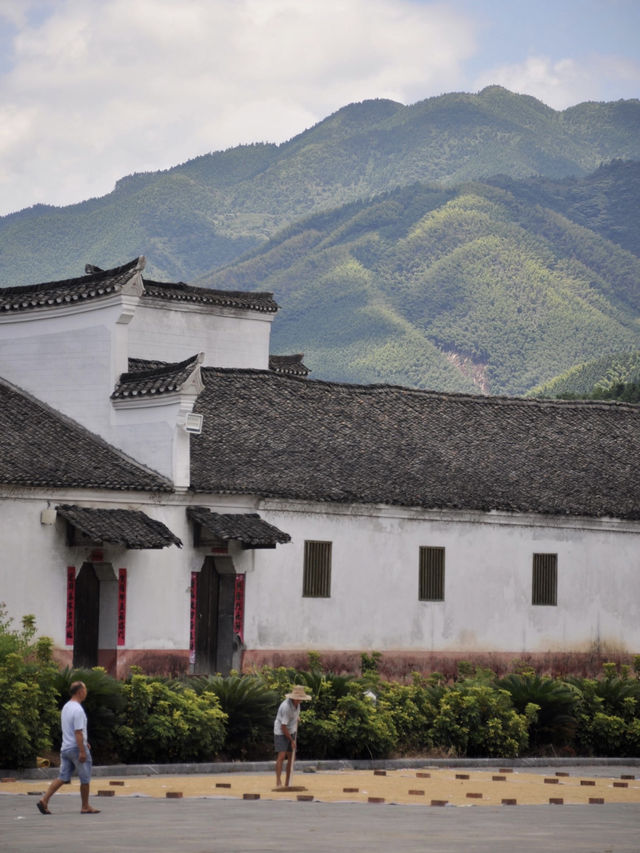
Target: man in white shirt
[(75, 753), (285, 729)]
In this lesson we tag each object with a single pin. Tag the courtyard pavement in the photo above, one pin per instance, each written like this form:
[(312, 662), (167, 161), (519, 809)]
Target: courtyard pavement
[(237, 826), (204, 825)]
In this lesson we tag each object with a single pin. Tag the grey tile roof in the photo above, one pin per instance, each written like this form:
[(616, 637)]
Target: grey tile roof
[(157, 379), (247, 528), (128, 527), (287, 437), (51, 293), (289, 364), (136, 364), (204, 295), (98, 282), (41, 447)]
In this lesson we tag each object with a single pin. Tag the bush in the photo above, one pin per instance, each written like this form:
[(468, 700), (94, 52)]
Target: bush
[(607, 734), (103, 706), (413, 708), (250, 707), (555, 721), (364, 729), (608, 710), (632, 739), (28, 709), (163, 724), (479, 720), (317, 735)]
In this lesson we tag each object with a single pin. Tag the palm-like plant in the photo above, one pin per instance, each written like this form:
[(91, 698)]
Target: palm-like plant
[(251, 708), (555, 722)]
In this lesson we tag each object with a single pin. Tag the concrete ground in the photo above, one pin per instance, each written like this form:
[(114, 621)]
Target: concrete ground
[(202, 824), (238, 826)]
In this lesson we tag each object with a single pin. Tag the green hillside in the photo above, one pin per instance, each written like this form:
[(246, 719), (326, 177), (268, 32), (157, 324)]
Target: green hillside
[(606, 201), (470, 288), (207, 212), (601, 374)]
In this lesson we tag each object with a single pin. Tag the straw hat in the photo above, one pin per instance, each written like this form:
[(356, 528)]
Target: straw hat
[(298, 692)]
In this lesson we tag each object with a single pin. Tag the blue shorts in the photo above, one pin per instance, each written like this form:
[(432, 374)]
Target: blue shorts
[(70, 761), (281, 742)]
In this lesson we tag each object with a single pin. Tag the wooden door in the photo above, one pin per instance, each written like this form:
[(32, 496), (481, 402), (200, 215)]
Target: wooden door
[(87, 618), (214, 618)]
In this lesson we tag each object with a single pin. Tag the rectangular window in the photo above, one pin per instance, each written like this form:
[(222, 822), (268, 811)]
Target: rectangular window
[(431, 584), (316, 582), (544, 588)]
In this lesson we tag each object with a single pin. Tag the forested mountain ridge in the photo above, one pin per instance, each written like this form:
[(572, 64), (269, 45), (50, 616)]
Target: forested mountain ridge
[(598, 376), (473, 288), (207, 212)]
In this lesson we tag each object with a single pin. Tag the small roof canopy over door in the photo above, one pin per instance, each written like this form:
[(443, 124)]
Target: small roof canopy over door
[(247, 528), (128, 527)]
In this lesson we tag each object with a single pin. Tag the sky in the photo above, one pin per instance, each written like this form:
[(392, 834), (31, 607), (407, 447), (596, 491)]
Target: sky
[(93, 90)]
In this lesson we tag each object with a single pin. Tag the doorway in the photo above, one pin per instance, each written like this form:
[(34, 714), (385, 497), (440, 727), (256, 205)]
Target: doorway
[(214, 638), (87, 618), (95, 617)]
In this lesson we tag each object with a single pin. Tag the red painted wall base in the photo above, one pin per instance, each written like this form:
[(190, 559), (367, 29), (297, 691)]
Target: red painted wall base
[(398, 665), (393, 665), (118, 662)]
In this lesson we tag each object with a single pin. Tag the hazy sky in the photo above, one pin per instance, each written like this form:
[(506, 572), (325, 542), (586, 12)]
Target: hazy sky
[(91, 90)]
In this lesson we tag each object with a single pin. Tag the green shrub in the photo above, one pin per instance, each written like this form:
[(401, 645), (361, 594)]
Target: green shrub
[(103, 706), (28, 710), (413, 708), (555, 721), (631, 743), (250, 707), (364, 729), (163, 724), (279, 679), (607, 734), (317, 735), (479, 720)]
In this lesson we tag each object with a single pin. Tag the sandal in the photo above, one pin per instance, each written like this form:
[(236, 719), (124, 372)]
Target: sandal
[(42, 808)]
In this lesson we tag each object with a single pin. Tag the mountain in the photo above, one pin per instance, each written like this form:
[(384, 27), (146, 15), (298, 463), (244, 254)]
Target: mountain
[(472, 288), (602, 374), (606, 201), (208, 212)]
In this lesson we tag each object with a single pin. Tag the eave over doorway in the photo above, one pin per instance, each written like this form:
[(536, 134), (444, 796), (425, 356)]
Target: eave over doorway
[(131, 528), (251, 531)]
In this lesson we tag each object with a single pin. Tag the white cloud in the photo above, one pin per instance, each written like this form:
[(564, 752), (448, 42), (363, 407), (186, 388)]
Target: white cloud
[(564, 82), (102, 88)]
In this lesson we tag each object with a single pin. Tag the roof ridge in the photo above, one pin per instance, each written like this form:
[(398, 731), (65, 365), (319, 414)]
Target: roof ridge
[(167, 367), (70, 422), (136, 265), (480, 399)]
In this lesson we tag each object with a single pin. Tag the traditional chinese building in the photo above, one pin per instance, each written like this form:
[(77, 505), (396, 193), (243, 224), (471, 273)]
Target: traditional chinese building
[(175, 497)]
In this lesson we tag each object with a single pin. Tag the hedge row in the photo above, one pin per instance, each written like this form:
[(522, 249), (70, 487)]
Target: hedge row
[(198, 718)]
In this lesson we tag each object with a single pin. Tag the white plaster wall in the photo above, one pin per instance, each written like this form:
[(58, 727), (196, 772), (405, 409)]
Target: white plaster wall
[(159, 587), (150, 435), (488, 575), (374, 596), (66, 362), (33, 571), (174, 332), (72, 359)]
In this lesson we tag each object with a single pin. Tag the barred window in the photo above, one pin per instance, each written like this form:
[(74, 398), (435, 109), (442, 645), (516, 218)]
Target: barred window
[(431, 583), (545, 579), (316, 581)]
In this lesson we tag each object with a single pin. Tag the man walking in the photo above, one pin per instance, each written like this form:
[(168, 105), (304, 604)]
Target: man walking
[(285, 729), (75, 753)]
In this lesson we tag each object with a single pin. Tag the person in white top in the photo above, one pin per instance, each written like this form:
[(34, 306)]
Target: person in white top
[(285, 729), (75, 753)]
